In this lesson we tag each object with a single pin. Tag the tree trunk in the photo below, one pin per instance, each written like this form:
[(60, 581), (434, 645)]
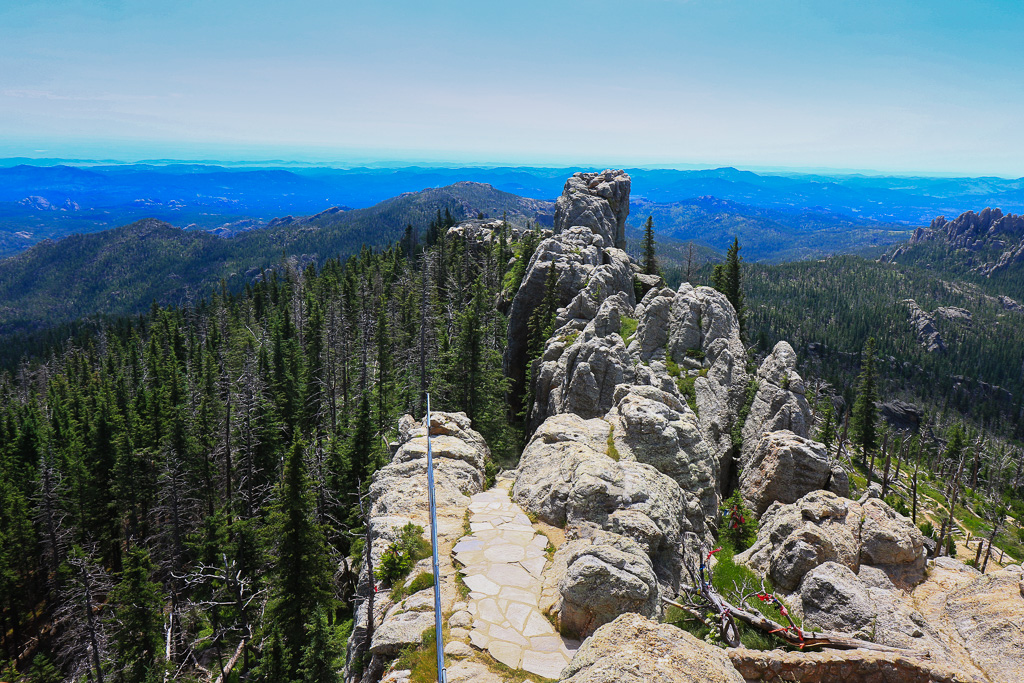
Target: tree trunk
[(992, 537), (913, 496)]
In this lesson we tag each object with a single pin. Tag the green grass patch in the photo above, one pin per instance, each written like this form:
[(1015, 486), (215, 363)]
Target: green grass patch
[(673, 368), (685, 384), (627, 328), (422, 581), (695, 353), (569, 338), (613, 452), (421, 659)]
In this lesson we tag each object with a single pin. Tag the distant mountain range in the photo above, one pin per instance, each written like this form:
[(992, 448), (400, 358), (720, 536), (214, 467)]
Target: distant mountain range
[(767, 234), (52, 201), (121, 271)]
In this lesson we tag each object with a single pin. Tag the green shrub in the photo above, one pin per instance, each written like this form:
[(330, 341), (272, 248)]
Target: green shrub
[(695, 353), (627, 328), (897, 504), (741, 419), (400, 557), (491, 470), (950, 546), (738, 528), (672, 367), (730, 580), (613, 452), (927, 529), (689, 392)]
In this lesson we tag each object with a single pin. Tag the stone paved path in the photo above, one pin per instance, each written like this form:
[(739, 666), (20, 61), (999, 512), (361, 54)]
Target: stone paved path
[(503, 559)]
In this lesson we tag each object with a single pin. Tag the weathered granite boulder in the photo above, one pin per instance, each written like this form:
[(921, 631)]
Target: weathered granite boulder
[(634, 649), (599, 201), (566, 477), (784, 467), (704, 327), (979, 614), (606, 575), (579, 371), (574, 255), (613, 277), (653, 314), (654, 427), (780, 401), (833, 598), (822, 527)]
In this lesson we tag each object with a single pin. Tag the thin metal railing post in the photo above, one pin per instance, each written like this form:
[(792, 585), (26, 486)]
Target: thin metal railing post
[(438, 637)]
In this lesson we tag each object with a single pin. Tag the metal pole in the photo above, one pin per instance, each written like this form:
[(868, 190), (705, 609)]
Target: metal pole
[(439, 638)]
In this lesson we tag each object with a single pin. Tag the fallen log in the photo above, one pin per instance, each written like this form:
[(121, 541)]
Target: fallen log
[(794, 635), (232, 662)]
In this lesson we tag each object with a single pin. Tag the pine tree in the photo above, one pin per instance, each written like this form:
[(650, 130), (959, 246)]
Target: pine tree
[(734, 282), (321, 654), (865, 413), (137, 623), (827, 435), (302, 573), (650, 260)]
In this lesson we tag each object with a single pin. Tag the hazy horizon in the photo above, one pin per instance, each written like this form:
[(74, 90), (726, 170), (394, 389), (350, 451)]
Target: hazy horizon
[(881, 88)]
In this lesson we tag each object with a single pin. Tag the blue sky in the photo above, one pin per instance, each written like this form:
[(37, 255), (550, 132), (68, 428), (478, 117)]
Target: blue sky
[(894, 86)]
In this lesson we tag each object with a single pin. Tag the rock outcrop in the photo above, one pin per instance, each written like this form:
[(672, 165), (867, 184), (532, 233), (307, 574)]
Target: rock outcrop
[(398, 496), (704, 327), (784, 467), (780, 402), (633, 649), (567, 478), (978, 617), (579, 370), (589, 269), (625, 520), (924, 328), (822, 527), (655, 427), (599, 201), (833, 598)]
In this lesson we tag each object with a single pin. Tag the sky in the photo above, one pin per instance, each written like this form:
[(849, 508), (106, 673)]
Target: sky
[(894, 86)]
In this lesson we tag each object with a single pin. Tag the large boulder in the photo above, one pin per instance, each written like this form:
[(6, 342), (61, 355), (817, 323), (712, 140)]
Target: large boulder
[(833, 598), (822, 527), (658, 428), (704, 329), (599, 201), (979, 617), (579, 371), (568, 476), (634, 649), (605, 575), (784, 467), (780, 402)]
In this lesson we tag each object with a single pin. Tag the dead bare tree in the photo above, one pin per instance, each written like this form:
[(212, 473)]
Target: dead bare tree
[(82, 639), (702, 599)]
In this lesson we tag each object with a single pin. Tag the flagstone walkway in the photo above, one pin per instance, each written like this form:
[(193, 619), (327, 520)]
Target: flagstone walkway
[(503, 559)]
